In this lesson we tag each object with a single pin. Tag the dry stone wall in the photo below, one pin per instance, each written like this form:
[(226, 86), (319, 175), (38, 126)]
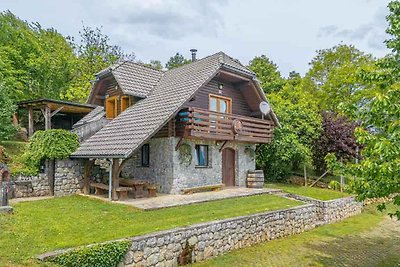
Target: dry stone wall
[(335, 210)]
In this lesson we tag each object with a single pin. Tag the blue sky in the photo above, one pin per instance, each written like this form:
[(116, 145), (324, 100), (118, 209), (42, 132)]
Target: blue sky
[(287, 31)]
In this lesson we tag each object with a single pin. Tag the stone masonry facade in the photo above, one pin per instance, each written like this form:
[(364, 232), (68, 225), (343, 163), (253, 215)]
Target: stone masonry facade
[(171, 175), (206, 240)]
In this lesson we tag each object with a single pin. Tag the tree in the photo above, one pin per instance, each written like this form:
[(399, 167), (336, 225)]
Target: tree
[(7, 109), (268, 74), (300, 126), (34, 62), (333, 77), (177, 61), (378, 173), (156, 64), (337, 137), (94, 53)]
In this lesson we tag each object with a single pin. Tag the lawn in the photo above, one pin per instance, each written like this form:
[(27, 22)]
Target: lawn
[(313, 192), (40, 226), (368, 239)]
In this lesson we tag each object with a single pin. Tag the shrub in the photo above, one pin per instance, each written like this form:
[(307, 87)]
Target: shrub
[(49, 144), (337, 137), (100, 255)]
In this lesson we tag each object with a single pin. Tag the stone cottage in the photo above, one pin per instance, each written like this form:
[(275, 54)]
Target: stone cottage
[(192, 126)]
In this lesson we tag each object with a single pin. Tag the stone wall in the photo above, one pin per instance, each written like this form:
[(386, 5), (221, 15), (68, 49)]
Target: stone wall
[(335, 210), (30, 186), (206, 240), (68, 178), (171, 175)]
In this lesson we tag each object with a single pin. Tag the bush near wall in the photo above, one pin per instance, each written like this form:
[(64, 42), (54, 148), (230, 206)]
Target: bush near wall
[(49, 144), (100, 255)]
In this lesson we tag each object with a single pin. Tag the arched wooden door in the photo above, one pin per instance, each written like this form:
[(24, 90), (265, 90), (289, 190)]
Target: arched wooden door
[(228, 167)]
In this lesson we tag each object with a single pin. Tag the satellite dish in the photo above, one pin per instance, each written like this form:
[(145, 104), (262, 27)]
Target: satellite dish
[(265, 108)]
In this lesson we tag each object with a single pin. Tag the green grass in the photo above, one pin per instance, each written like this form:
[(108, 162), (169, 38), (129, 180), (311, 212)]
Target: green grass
[(14, 151), (368, 239), (313, 192), (45, 225)]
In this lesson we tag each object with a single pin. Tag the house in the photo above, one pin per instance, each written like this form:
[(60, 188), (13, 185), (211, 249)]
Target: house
[(192, 126)]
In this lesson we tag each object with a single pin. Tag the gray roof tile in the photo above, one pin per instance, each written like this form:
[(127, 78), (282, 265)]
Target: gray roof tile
[(124, 134), (136, 79)]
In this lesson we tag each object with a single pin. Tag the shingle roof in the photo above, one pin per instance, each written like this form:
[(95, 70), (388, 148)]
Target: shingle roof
[(124, 134), (93, 115), (136, 79)]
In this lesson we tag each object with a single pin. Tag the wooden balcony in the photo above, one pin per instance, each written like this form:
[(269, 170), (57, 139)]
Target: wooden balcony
[(205, 124)]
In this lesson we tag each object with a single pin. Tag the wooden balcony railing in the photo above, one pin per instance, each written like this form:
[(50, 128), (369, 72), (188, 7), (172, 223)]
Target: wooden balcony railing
[(201, 123)]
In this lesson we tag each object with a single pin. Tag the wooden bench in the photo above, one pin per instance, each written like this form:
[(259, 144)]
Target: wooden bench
[(192, 190), (101, 189)]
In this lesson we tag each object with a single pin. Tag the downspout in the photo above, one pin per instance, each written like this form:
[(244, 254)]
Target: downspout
[(110, 179)]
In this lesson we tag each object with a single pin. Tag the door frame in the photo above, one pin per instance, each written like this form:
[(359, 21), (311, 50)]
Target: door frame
[(223, 162)]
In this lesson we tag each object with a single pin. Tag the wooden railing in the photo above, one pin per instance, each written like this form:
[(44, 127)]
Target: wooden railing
[(201, 123)]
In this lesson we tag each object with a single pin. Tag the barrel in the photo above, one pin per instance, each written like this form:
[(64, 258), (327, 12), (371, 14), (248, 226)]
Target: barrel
[(255, 179)]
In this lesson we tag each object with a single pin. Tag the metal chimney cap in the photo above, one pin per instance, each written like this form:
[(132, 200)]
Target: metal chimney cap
[(193, 50)]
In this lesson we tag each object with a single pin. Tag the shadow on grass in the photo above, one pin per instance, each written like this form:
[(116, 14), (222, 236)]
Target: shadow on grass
[(374, 250)]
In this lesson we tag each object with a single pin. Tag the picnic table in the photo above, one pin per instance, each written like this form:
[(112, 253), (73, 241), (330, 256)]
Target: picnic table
[(136, 185)]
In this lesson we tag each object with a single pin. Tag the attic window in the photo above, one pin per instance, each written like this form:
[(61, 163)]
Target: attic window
[(124, 103), (111, 107)]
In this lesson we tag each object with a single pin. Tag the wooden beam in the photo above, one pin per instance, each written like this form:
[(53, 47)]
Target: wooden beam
[(30, 121), (56, 111), (47, 118), (223, 145), (86, 176)]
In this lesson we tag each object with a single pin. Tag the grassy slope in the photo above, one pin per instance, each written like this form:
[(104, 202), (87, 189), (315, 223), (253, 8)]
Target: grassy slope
[(363, 240), (317, 193), (14, 151), (40, 226)]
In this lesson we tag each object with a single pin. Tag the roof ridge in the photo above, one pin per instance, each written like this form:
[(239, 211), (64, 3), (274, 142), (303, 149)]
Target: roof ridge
[(144, 65)]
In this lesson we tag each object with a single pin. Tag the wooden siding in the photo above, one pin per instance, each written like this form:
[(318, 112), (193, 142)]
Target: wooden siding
[(168, 130), (239, 103)]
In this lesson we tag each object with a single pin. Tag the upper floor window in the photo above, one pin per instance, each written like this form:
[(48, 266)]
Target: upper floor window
[(116, 104), (125, 102), (111, 107), (220, 104)]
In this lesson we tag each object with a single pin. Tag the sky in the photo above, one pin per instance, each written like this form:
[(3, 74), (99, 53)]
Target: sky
[(289, 32)]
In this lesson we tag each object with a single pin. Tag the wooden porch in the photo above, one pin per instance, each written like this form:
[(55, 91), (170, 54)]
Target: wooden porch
[(201, 123)]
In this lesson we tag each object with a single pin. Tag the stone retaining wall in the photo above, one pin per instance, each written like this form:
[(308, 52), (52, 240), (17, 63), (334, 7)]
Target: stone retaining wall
[(68, 179), (334, 210), (30, 186), (203, 241)]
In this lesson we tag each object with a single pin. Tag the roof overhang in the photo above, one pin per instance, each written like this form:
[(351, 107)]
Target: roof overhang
[(66, 107)]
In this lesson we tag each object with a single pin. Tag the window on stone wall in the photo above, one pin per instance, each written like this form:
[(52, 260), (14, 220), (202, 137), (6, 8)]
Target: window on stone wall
[(201, 155), (145, 155)]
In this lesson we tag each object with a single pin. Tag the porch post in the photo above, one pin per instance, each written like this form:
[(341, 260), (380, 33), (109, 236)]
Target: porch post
[(47, 118), (110, 168), (30, 121), (115, 178)]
